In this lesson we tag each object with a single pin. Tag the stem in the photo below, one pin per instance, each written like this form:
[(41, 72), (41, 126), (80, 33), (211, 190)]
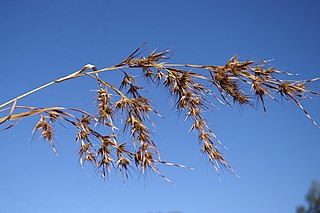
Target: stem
[(110, 86), (26, 94), (68, 77), (81, 74)]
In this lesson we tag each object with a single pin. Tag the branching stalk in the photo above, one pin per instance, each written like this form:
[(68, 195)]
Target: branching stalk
[(193, 92)]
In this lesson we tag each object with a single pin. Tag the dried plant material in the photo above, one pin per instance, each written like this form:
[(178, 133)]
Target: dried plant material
[(126, 108)]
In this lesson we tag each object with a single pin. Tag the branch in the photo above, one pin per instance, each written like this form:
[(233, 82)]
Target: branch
[(126, 106)]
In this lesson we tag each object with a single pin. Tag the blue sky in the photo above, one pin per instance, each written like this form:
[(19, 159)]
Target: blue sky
[(275, 154)]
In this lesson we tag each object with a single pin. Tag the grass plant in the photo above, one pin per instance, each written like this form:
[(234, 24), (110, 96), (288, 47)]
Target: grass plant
[(193, 88)]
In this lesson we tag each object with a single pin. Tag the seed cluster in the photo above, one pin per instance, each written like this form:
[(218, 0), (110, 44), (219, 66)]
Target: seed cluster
[(126, 109)]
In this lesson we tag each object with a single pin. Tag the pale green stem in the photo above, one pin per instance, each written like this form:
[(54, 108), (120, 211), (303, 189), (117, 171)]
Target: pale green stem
[(80, 74), (26, 94), (68, 77)]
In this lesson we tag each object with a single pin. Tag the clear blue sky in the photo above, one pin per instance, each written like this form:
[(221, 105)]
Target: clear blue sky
[(276, 154)]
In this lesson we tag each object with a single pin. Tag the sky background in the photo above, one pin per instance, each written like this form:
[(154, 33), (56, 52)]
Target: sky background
[(276, 154)]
